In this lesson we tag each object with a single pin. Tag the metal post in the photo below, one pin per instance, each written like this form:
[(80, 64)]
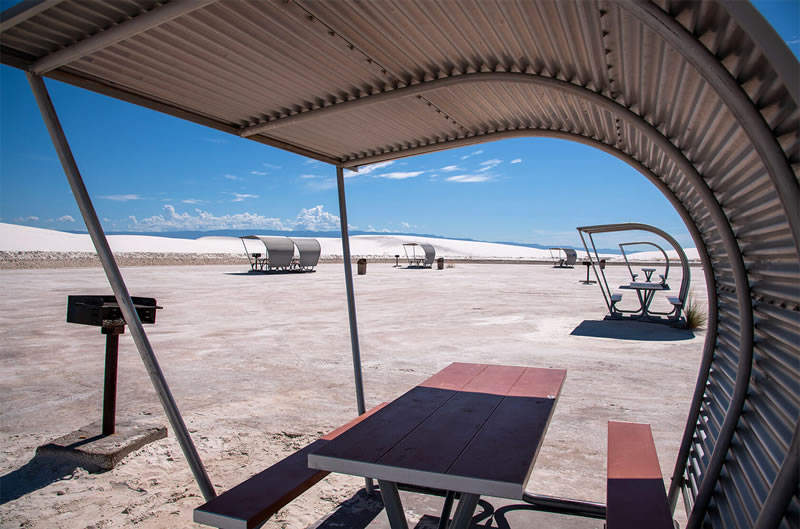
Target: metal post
[(118, 284), (351, 303), (393, 505), (110, 380), (444, 518), (464, 511)]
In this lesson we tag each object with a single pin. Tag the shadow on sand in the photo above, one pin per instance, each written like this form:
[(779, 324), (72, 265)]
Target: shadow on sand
[(361, 510), (631, 330), (257, 273), (36, 474)]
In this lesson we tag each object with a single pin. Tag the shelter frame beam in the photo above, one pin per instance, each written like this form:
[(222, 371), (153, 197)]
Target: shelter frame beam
[(129, 28), (117, 283), (351, 302)]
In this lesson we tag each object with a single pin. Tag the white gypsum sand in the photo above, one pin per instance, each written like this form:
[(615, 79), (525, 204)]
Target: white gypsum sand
[(260, 365), (47, 247)]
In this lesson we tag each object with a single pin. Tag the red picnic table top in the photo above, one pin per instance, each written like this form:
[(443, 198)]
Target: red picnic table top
[(472, 428)]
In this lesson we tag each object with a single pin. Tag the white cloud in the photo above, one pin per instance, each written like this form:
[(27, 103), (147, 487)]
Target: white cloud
[(192, 201), (516, 160), (232, 177), (259, 173), (171, 220), (321, 184), (30, 218), (373, 230), (122, 198), (489, 164), (367, 169), (405, 225), (470, 178), (313, 219), (399, 175), (309, 176), (65, 218), (240, 197), (316, 219), (474, 153), (271, 166), (449, 168)]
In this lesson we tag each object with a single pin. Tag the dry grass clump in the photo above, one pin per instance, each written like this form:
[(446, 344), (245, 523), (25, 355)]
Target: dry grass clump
[(695, 314), (450, 265)]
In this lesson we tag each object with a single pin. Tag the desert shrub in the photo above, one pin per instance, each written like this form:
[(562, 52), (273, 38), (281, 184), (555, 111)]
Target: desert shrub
[(450, 265), (695, 314)]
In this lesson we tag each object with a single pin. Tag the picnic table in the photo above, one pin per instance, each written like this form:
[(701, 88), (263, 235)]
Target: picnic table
[(475, 429), (648, 273), (646, 291)]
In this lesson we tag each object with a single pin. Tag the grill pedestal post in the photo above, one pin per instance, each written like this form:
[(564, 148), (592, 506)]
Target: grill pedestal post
[(110, 380)]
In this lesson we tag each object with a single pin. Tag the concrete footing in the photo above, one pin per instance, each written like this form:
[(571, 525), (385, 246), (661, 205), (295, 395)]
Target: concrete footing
[(88, 447)]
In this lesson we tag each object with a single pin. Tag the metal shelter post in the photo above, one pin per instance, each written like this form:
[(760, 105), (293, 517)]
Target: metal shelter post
[(351, 302), (117, 283)]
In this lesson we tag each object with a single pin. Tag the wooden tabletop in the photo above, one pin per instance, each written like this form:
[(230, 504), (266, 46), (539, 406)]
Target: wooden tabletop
[(644, 286), (473, 428)]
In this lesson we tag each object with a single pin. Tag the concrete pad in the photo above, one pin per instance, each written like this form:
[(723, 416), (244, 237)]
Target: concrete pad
[(89, 448)]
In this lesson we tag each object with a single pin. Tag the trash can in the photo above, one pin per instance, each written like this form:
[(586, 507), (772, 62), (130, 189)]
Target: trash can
[(440, 263), (362, 267), (602, 264)]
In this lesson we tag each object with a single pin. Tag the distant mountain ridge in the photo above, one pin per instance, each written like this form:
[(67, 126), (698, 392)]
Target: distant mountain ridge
[(333, 234)]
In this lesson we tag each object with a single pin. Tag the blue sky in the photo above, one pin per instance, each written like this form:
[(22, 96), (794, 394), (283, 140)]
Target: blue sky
[(150, 172)]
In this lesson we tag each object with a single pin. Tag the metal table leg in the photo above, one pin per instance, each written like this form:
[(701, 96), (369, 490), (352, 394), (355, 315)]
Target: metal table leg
[(464, 511), (393, 505), (444, 519)]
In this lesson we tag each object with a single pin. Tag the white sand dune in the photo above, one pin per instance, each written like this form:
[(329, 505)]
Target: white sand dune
[(16, 238)]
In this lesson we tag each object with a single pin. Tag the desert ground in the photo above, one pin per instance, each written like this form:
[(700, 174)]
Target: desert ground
[(260, 365)]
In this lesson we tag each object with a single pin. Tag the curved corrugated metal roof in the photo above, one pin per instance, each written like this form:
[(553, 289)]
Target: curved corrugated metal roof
[(701, 97), (309, 250)]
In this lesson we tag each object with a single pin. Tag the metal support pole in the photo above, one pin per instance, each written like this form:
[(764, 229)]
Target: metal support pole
[(110, 379), (351, 303), (444, 519), (118, 284), (393, 505), (464, 511), (587, 509)]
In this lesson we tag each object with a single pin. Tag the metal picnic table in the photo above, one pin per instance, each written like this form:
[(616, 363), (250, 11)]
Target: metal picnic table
[(646, 291), (471, 428)]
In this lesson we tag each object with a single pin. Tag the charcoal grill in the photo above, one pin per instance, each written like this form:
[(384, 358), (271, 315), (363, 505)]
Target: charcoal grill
[(104, 312)]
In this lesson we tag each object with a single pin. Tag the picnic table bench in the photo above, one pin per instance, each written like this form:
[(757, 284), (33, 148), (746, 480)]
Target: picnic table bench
[(635, 495), (252, 502)]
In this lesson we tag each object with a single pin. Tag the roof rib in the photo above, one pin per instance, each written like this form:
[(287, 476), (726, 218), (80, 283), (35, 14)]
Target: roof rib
[(122, 31)]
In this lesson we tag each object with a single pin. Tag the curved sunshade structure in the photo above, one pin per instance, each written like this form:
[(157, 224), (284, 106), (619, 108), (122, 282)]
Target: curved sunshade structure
[(633, 226), (700, 97), (430, 254), (309, 250), (563, 257), (280, 250)]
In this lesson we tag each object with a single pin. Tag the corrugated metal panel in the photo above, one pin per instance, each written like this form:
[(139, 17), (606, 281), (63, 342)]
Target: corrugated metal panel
[(250, 62)]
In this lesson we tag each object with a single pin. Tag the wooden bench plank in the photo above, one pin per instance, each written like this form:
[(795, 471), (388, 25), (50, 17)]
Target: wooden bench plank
[(538, 382), (494, 380), (516, 430), (635, 496), (379, 433), (438, 441), (250, 503), (455, 376)]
